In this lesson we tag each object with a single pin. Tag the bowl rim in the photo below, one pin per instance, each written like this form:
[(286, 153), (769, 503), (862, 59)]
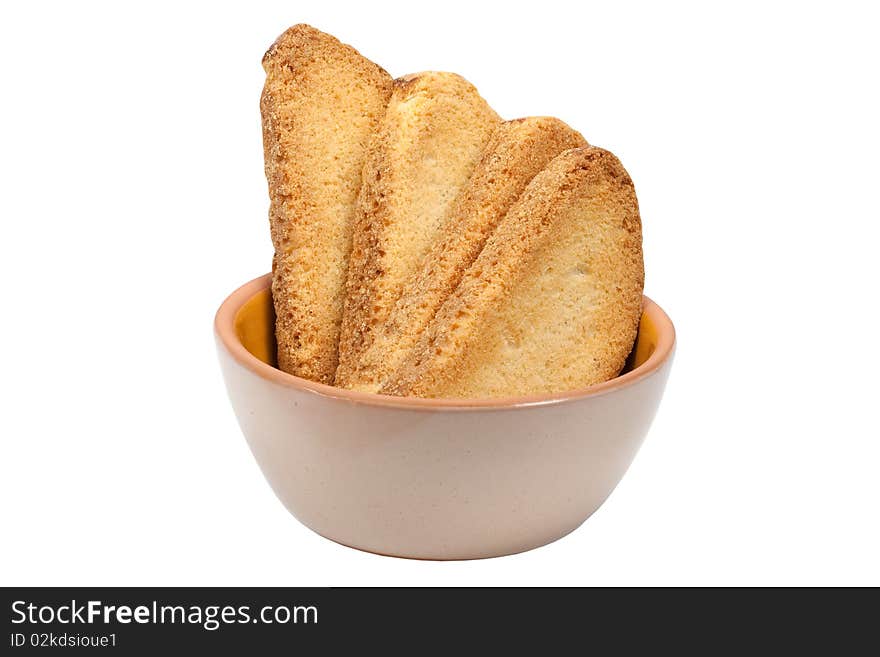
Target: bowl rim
[(227, 338)]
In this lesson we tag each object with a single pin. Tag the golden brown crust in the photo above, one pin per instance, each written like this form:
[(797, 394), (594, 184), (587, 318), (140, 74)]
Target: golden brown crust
[(517, 151), (428, 143), (320, 105), (553, 300)]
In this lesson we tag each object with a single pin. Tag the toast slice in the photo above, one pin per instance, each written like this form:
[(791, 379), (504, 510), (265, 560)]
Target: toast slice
[(430, 139), (552, 303), (321, 103), (517, 151)]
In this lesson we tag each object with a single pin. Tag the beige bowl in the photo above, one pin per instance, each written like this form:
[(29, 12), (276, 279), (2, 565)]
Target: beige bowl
[(436, 479)]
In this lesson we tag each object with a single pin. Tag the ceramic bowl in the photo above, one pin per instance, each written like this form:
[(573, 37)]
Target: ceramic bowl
[(436, 479)]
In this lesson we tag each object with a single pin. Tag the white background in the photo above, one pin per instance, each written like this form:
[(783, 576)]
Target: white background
[(133, 201)]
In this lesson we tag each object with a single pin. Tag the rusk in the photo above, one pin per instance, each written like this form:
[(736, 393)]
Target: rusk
[(321, 103), (517, 151), (552, 303), (429, 141)]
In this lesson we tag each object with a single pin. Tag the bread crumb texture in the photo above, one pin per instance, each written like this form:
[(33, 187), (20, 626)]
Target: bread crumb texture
[(321, 104), (516, 152), (552, 302), (427, 145), (424, 247)]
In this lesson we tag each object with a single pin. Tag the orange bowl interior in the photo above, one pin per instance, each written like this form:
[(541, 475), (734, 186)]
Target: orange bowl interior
[(255, 328)]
